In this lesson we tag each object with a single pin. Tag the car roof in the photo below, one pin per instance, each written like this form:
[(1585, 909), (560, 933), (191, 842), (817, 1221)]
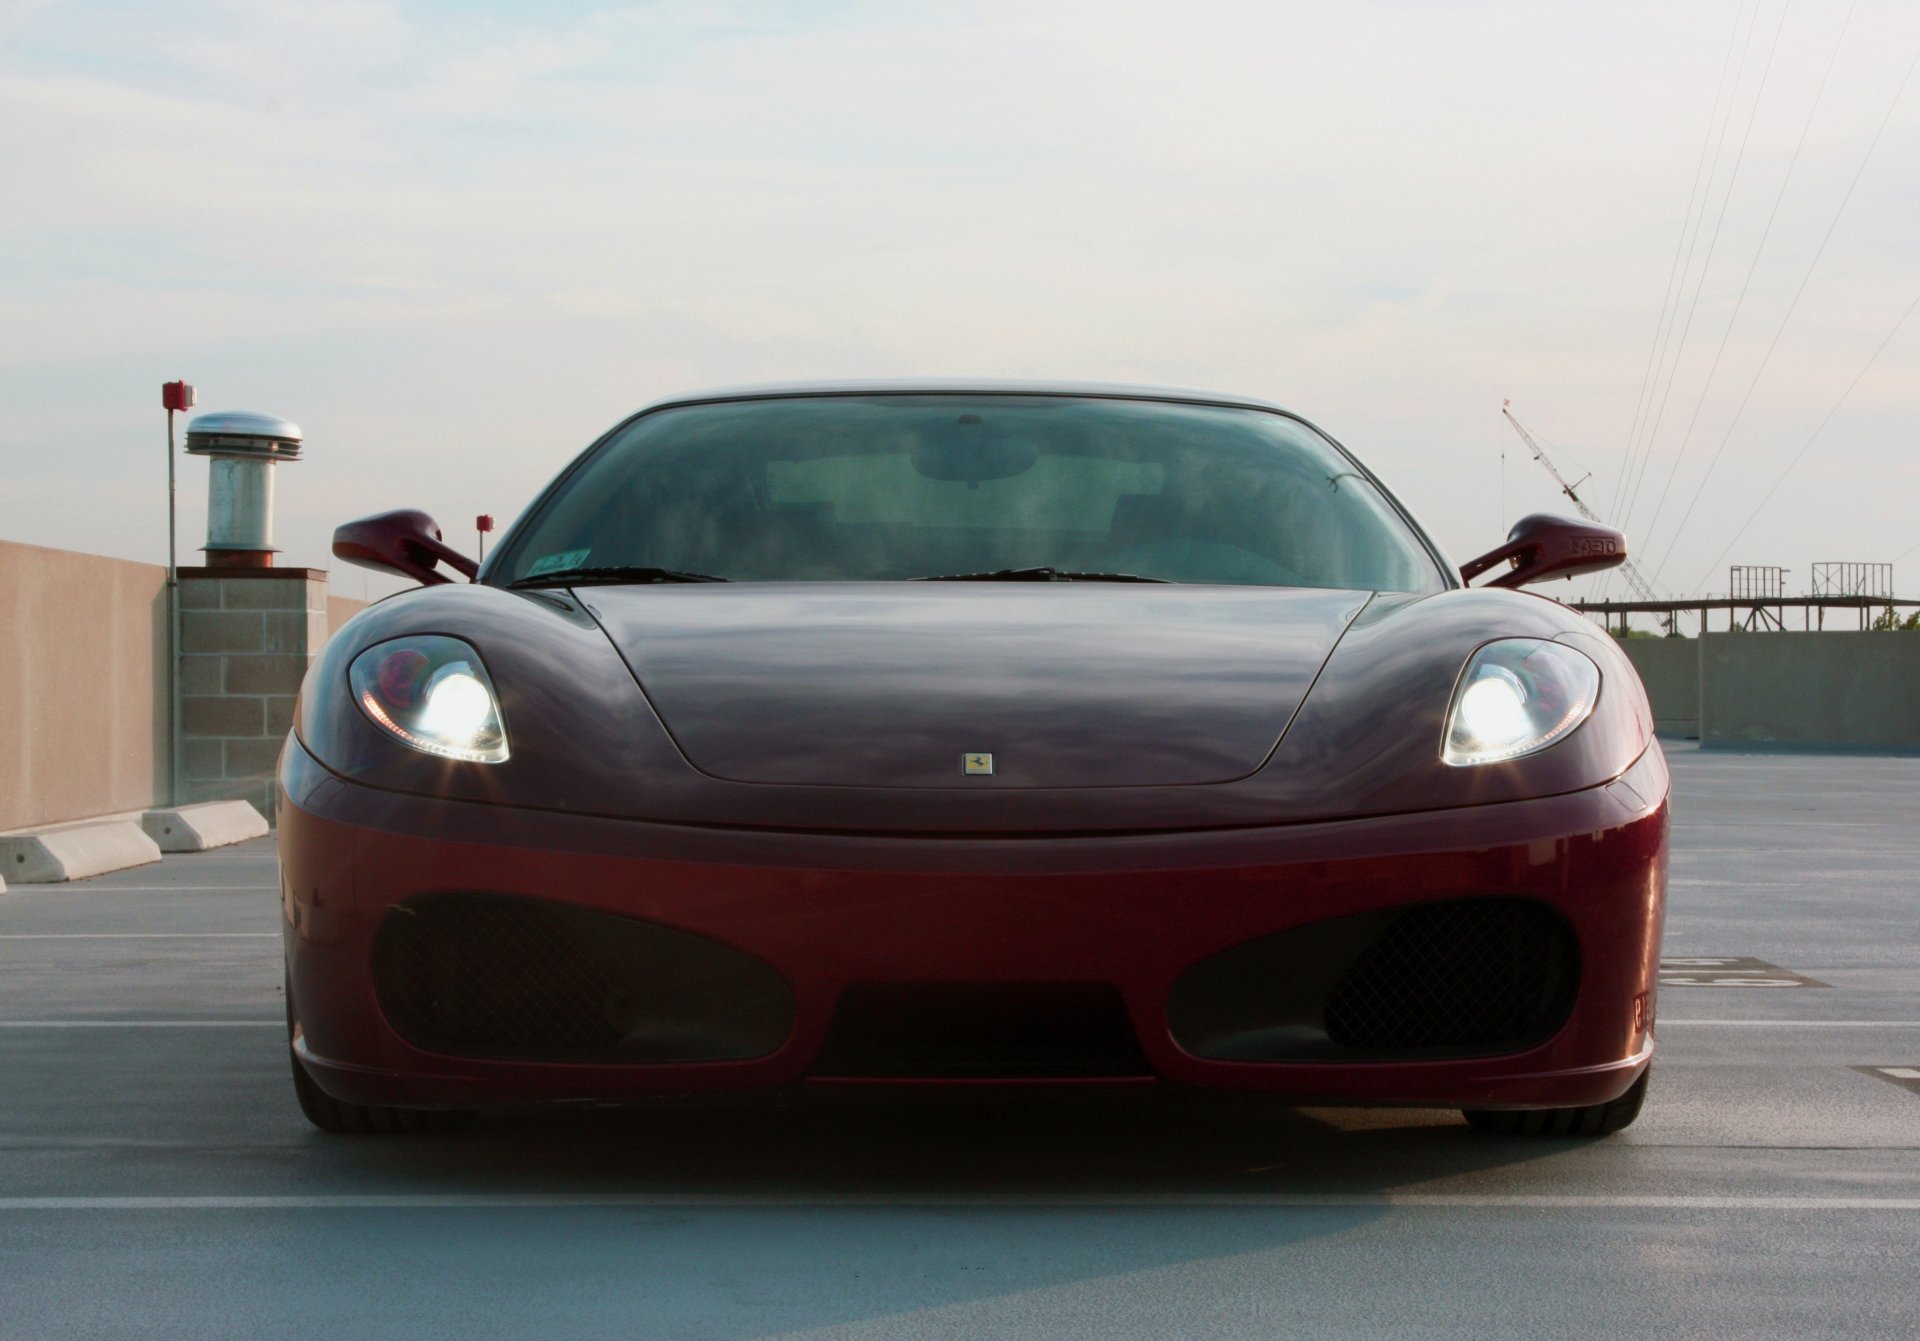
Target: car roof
[(963, 386)]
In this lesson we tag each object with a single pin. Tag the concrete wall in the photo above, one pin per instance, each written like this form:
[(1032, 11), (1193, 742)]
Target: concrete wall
[(1858, 691), (83, 721), (83, 710), (1670, 669), (1833, 690)]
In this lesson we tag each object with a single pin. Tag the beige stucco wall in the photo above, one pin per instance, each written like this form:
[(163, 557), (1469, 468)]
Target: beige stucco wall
[(340, 609), (83, 683), (83, 719)]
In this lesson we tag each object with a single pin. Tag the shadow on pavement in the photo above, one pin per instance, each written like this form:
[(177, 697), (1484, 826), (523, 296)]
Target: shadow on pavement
[(1004, 1148)]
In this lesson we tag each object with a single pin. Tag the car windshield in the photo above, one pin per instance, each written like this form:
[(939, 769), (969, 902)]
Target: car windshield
[(894, 487)]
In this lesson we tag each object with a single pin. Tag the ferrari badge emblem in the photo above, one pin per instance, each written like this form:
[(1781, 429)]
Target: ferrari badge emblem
[(976, 764)]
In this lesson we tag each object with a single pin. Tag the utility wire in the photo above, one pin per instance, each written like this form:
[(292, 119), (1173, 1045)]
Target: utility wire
[(1690, 227), (1673, 270), (1775, 342), (1673, 468), (1679, 353), (1872, 358), (1719, 142)]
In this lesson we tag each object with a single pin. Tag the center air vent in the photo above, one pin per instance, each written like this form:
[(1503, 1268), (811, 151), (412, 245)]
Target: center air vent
[(981, 1030)]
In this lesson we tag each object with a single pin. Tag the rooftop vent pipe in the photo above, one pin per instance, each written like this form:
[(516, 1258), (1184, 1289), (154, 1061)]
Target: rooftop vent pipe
[(242, 450)]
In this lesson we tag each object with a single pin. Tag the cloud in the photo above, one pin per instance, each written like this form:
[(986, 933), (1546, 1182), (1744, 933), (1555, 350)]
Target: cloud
[(455, 241)]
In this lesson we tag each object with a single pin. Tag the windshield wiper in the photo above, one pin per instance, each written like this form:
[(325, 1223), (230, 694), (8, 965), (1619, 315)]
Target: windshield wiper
[(1038, 575), (610, 576)]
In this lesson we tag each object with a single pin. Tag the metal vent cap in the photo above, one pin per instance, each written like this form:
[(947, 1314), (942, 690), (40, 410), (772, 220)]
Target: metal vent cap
[(242, 433)]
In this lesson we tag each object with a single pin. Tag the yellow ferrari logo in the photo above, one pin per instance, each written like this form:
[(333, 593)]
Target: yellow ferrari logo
[(976, 764)]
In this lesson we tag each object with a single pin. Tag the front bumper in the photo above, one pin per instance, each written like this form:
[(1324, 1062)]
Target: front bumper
[(829, 912)]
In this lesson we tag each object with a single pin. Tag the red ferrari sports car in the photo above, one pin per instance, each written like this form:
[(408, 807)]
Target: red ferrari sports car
[(971, 734)]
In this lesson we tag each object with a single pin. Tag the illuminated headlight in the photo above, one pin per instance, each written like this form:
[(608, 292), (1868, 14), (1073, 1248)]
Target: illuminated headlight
[(1517, 697), (432, 693)]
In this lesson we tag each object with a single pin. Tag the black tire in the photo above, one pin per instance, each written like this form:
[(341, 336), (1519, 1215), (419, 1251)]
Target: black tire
[(331, 1114), (1592, 1120)]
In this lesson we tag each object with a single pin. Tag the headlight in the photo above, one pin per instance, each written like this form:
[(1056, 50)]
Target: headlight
[(432, 693), (1517, 697)]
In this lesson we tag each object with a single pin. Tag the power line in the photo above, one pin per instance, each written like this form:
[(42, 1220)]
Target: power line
[(1673, 270), (1637, 450), (1673, 470), (1690, 226), (1680, 350), (1872, 358), (1774, 343)]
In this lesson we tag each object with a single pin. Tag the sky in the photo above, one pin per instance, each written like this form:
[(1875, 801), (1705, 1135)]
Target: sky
[(456, 242)]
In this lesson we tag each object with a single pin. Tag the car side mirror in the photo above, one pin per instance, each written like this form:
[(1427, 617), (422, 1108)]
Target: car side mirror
[(406, 542), (1542, 546)]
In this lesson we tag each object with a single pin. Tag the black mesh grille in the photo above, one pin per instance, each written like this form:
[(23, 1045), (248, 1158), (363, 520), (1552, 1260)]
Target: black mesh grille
[(489, 975), (981, 1030), (1487, 974), (1468, 977)]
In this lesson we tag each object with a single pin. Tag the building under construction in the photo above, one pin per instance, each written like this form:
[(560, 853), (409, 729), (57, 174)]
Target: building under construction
[(1859, 595)]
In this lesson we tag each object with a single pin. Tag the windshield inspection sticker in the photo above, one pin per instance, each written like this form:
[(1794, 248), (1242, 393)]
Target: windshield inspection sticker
[(1906, 1077), (1724, 971), (554, 563)]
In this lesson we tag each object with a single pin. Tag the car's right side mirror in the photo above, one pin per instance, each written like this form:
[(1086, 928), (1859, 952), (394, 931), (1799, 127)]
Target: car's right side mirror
[(406, 542), (1542, 546)]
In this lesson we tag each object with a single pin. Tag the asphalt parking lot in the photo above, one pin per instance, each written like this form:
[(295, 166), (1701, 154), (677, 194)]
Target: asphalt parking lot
[(156, 1179)]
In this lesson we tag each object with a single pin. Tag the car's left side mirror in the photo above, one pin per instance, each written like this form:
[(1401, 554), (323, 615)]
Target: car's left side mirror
[(1543, 546)]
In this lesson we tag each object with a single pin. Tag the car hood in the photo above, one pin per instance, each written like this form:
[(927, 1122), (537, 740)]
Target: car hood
[(1063, 684)]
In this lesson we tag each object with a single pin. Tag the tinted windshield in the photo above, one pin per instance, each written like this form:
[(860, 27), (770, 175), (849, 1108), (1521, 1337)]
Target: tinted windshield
[(888, 487)]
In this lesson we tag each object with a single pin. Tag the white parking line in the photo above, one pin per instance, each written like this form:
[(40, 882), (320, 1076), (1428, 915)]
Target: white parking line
[(143, 1024), (1800, 1024), (95, 887), (756, 1201), (280, 1024), (140, 936)]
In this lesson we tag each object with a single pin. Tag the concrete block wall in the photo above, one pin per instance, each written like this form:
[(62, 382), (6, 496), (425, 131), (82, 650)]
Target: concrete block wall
[(247, 636)]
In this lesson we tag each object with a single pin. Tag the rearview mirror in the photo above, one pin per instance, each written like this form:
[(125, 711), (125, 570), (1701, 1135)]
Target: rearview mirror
[(406, 542), (971, 452), (1541, 546)]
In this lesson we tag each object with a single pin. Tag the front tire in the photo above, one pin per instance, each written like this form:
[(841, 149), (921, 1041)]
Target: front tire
[(1589, 1120)]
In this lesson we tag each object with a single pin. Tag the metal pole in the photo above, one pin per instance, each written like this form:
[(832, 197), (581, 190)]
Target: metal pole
[(173, 626)]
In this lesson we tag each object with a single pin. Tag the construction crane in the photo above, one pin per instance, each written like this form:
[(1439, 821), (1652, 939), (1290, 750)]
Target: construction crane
[(1641, 587)]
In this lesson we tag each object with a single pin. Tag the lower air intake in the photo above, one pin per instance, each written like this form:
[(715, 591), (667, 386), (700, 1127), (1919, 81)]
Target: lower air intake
[(1463, 978), (497, 976), (1493, 974)]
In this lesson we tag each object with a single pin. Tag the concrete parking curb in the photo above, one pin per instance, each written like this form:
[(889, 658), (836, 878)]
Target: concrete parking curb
[(196, 828), (75, 852)]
